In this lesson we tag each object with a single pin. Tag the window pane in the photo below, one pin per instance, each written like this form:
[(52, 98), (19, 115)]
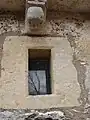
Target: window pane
[(37, 82)]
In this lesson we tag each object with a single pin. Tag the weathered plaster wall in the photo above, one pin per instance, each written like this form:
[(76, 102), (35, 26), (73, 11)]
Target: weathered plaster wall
[(14, 74), (75, 28), (61, 5)]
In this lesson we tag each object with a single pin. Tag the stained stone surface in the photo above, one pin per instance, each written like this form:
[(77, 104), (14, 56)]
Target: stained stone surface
[(64, 114), (56, 5), (14, 80), (31, 115), (76, 29)]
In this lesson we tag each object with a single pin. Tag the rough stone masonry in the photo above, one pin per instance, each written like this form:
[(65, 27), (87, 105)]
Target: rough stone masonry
[(71, 28)]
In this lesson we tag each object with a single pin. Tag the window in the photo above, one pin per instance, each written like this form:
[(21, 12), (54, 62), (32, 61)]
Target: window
[(39, 72)]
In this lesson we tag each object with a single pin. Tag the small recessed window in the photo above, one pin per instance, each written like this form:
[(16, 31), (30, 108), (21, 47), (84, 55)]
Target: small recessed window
[(39, 82)]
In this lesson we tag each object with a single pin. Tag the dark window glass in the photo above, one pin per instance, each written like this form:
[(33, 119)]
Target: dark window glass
[(39, 74)]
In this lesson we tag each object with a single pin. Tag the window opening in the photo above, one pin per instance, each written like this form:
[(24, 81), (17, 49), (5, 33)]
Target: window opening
[(39, 71)]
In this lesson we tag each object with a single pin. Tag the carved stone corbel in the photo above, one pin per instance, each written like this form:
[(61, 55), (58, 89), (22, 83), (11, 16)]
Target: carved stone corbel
[(35, 17)]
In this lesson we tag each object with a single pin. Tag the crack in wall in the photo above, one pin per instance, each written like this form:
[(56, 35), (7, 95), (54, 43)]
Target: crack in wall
[(81, 71)]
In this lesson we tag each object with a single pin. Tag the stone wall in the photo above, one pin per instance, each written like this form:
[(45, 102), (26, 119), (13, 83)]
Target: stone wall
[(56, 5), (75, 29), (14, 74), (32, 115)]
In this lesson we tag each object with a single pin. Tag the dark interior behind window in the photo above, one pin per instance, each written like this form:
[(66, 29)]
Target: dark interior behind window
[(39, 82)]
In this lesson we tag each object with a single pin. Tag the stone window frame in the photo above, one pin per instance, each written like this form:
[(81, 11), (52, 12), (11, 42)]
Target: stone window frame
[(14, 92)]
